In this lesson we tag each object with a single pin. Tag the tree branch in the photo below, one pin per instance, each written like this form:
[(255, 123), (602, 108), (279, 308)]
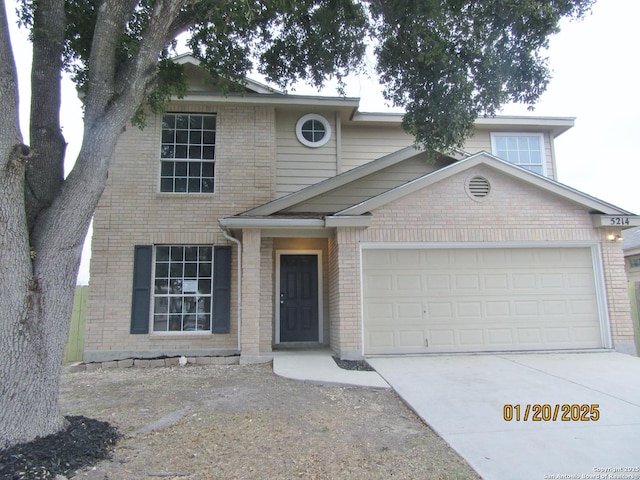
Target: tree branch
[(9, 119), (103, 61), (45, 171)]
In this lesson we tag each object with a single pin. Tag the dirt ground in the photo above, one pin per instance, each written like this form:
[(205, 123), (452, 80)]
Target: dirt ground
[(244, 422)]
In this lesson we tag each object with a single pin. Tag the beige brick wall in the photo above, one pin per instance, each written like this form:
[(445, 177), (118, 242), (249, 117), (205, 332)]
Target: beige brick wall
[(514, 212), (344, 292), (251, 292), (132, 211)]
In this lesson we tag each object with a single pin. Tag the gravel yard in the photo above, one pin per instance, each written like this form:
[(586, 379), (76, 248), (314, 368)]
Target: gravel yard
[(243, 422)]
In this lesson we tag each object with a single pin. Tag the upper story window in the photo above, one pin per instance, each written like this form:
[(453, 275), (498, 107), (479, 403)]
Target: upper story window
[(313, 130), (187, 156), (523, 149), (634, 262)]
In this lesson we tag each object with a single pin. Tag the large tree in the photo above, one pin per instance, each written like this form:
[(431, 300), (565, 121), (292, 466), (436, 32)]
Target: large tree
[(444, 61)]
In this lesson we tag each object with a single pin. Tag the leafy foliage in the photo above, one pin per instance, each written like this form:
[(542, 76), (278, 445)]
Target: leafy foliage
[(445, 62), (448, 62)]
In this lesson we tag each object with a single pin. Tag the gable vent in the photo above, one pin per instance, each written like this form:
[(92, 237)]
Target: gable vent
[(479, 187)]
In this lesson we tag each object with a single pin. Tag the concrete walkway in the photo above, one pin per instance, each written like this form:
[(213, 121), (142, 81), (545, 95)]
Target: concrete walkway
[(463, 398), (317, 366)]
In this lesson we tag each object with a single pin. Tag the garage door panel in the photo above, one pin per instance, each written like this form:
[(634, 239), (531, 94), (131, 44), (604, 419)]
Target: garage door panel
[(530, 336), (471, 338), (409, 311), (440, 310), (500, 336), (438, 282), (469, 309), (382, 340), (467, 282), (479, 300), (409, 283), (495, 281), (411, 339), (558, 335), (441, 340), (554, 307), (497, 309)]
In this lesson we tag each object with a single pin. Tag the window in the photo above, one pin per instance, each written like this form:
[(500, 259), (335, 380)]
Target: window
[(182, 289), (634, 262), (188, 153), (313, 130), (525, 150)]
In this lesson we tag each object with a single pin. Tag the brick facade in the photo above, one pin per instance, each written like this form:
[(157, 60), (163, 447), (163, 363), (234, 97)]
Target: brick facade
[(133, 212), (515, 213)]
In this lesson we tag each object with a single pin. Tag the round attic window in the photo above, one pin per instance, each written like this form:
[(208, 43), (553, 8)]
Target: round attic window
[(313, 130), (478, 188)]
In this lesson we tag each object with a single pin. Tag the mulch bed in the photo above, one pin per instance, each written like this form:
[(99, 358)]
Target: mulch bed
[(84, 442), (360, 365)]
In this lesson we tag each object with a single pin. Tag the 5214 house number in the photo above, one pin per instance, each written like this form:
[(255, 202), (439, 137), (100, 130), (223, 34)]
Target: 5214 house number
[(619, 221)]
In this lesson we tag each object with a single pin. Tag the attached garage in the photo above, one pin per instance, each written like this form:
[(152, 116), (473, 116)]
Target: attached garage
[(428, 300)]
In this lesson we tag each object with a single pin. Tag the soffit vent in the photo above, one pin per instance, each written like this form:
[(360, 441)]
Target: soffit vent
[(479, 187)]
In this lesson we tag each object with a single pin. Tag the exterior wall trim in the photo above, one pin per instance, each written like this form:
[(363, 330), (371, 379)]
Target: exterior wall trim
[(276, 286)]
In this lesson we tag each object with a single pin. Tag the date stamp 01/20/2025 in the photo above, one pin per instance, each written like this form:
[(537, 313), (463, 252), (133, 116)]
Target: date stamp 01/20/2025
[(552, 413)]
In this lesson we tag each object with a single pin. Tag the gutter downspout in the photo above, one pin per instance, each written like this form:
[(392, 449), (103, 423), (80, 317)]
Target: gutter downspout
[(229, 237)]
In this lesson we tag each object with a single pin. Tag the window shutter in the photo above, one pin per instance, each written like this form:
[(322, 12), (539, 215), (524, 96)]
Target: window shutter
[(221, 289), (141, 289)]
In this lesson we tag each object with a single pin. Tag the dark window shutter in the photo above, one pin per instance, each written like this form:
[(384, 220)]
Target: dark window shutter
[(221, 289), (141, 289)]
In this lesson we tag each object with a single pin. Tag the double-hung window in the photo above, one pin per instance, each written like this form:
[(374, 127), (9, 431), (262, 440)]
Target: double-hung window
[(182, 288), (187, 155), (523, 149)]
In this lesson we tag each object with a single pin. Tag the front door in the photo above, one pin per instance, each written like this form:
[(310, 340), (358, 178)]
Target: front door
[(298, 298)]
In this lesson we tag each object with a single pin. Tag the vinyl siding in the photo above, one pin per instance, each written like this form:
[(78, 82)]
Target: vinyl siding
[(369, 186), (362, 144), (298, 166)]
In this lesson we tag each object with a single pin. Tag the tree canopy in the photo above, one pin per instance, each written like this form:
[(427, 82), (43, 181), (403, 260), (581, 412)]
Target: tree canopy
[(444, 62)]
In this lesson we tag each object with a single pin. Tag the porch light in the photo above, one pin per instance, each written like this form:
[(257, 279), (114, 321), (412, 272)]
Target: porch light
[(614, 237)]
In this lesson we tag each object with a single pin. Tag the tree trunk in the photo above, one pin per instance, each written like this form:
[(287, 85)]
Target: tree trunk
[(40, 247)]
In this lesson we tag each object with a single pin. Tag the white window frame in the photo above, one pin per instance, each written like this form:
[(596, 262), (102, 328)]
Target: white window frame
[(543, 152), (313, 116), (188, 161), (182, 295)]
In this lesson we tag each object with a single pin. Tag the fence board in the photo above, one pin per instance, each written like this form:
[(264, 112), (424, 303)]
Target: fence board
[(75, 343)]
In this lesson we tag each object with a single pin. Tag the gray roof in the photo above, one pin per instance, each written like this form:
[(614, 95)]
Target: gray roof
[(631, 239)]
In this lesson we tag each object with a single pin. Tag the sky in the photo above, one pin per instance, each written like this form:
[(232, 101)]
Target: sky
[(595, 79)]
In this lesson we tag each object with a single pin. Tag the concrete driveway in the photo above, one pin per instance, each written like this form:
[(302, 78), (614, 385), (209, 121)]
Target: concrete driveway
[(463, 398)]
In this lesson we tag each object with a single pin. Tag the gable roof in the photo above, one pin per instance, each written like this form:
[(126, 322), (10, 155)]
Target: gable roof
[(484, 158), (333, 183), (250, 84), (274, 215)]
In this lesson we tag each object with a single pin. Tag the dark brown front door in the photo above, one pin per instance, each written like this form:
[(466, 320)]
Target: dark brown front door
[(298, 298)]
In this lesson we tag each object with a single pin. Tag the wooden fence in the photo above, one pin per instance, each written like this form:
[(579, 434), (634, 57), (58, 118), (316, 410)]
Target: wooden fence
[(75, 344)]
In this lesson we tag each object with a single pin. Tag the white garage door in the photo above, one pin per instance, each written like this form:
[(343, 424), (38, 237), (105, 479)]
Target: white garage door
[(479, 299)]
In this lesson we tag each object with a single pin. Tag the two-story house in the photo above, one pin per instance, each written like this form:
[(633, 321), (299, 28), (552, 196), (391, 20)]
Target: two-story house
[(243, 223)]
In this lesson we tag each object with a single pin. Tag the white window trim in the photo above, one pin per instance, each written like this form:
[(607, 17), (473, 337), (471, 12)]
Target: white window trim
[(177, 333), (543, 148), (159, 191), (319, 118)]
